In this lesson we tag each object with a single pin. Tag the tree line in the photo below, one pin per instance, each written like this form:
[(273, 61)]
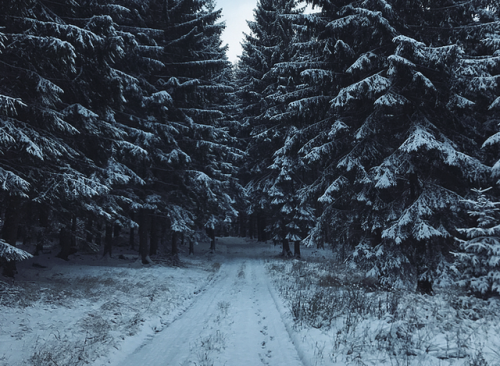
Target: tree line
[(114, 113), (363, 126)]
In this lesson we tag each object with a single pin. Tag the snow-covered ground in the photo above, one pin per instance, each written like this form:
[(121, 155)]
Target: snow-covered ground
[(242, 306)]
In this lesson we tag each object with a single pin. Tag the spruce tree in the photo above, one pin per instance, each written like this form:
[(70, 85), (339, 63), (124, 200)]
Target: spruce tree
[(478, 262), (264, 88), (179, 118), (398, 155), (41, 165)]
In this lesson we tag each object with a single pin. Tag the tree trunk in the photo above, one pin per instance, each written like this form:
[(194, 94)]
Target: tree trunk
[(296, 249), (43, 231), (261, 227), (9, 232), (12, 220), (44, 216), (29, 224), (175, 249), (144, 226), (191, 247), (131, 236), (211, 235), (65, 243), (251, 226), (116, 230), (41, 240), (9, 267), (286, 252), (74, 225), (88, 231), (108, 241), (154, 236), (98, 237), (326, 238), (242, 222)]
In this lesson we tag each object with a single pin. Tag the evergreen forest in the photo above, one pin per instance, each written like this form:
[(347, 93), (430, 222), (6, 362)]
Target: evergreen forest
[(369, 127)]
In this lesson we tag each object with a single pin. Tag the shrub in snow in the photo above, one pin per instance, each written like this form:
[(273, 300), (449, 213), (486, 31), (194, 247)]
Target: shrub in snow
[(479, 261)]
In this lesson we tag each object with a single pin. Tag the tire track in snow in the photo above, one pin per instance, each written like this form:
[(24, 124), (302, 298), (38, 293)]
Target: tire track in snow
[(233, 322)]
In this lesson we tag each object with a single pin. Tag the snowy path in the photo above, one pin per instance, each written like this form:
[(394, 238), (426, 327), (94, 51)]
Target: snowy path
[(234, 321)]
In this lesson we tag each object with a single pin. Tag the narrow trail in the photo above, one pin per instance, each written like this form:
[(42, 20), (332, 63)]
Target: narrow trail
[(233, 322)]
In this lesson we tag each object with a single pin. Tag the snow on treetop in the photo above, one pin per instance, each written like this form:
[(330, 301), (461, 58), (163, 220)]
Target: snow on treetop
[(161, 97), (362, 63), (419, 77), (317, 75), (385, 179), (336, 128), (400, 60), (421, 138), (374, 16), (336, 186), (79, 109), (495, 104), (391, 100), (366, 88), (349, 163), (119, 173), (80, 37), (12, 182), (8, 105), (457, 101), (404, 39)]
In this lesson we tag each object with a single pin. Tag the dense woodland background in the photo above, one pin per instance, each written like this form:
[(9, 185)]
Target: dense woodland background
[(371, 127)]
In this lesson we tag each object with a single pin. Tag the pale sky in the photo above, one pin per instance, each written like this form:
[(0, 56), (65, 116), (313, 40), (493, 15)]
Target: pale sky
[(235, 13)]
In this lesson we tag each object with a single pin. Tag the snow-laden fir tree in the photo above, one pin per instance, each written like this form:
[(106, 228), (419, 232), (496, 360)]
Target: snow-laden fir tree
[(265, 96), (398, 155), (8, 252), (41, 165), (179, 118), (353, 44), (436, 159), (122, 114), (478, 262), (95, 104), (479, 258)]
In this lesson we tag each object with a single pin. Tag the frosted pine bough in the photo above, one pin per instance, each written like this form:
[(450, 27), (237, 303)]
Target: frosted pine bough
[(11, 253)]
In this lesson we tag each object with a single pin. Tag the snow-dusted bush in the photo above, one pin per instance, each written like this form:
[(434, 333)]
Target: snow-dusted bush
[(362, 324), (479, 261)]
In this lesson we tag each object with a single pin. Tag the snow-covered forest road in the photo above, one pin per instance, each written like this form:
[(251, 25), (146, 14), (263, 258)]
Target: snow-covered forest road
[(240, 306), (237, 319)]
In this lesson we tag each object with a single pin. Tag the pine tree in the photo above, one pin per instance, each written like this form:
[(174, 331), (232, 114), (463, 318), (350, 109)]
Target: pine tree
[(345, 79), (398, 154), (41, 166), (478, 263), (438, 154), (265, 91), (126, 113), (181, 122)]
